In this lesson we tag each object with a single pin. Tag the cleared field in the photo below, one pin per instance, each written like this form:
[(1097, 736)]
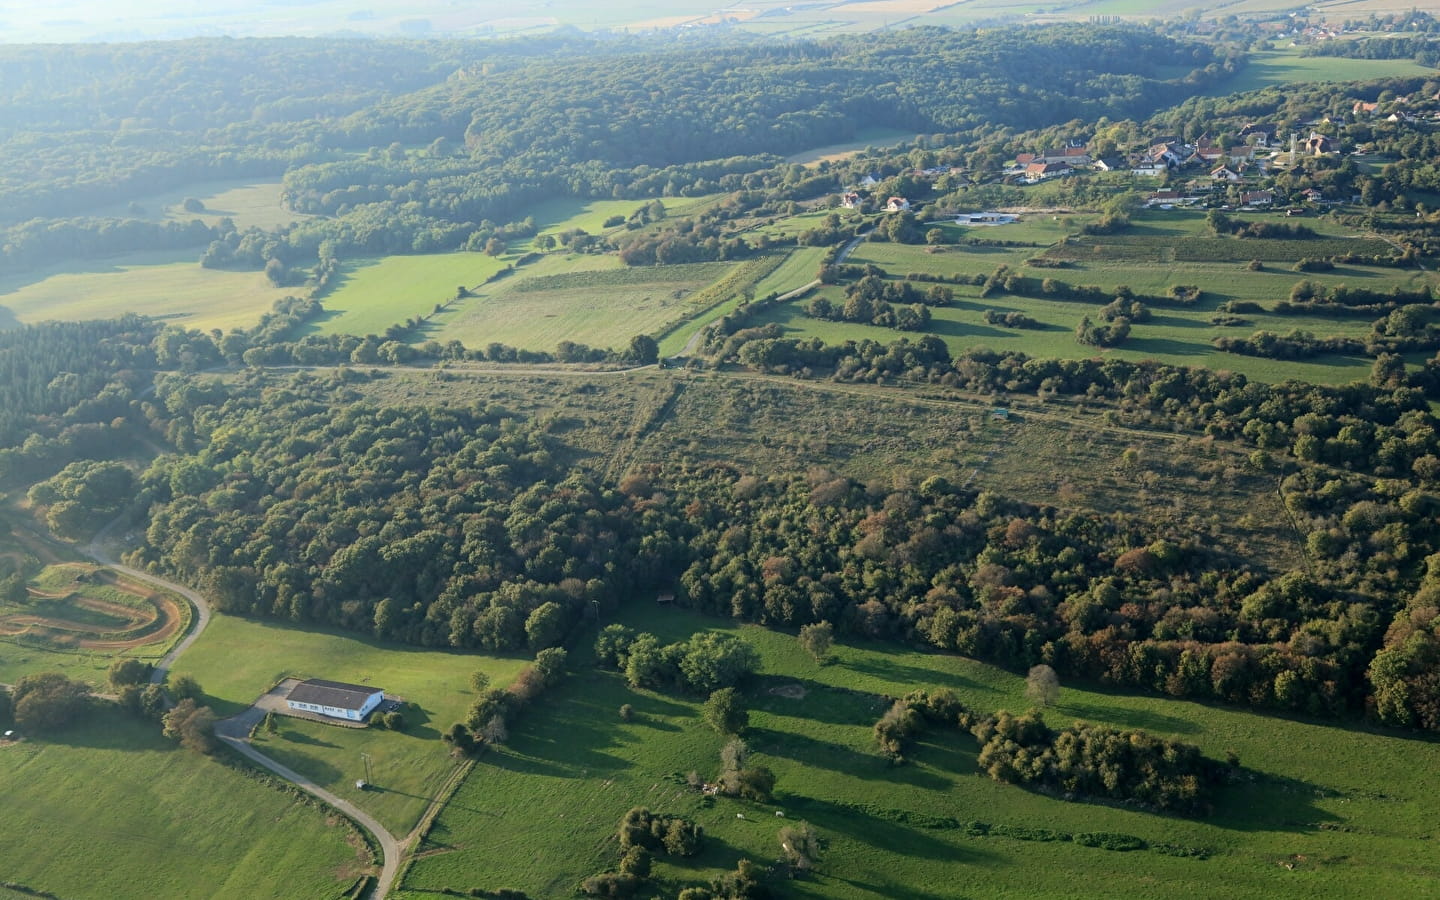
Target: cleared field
[(248, 203), (591, 300), (371, 295), (170, 286), (864, 139), (567, 213), (1278, 67), (149, 820), (1320, 810), (237, 660)]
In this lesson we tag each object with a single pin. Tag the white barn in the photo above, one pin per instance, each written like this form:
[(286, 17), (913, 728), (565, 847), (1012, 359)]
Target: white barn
[(335, 699)]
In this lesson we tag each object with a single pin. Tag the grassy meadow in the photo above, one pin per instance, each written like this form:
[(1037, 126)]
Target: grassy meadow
[(144, 819), (1144, 259), (237, 660), (592, 300), (1287, 66), (249, 203), (1319, 810), (373, 294), (166, 285)]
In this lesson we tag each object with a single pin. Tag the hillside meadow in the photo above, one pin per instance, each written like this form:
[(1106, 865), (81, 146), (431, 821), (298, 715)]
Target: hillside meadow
[(168, 285), (1316, 810), (236, 660), (150, 820)]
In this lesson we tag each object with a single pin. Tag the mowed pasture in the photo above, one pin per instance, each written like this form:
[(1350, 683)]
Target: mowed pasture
[(567, 214), (373, 294), (170, 285), (1318, 809), (1267, 68), (591, 300), (111, 809), (236, 660)]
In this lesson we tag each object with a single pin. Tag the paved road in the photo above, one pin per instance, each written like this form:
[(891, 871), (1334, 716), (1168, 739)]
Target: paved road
[(235, 731), (390, 847)]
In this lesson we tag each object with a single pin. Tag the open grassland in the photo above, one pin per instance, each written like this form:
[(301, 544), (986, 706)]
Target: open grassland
[(111, 809), (247, 203), (591, 300), (371, 295), (1319, 810), (568, 213), (169, 285), (1287, 66), (865, 138), (237, 660)]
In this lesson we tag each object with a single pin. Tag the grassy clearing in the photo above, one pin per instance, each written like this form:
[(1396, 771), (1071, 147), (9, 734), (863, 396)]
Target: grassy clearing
[(248, 203), (148, 820), (865, 138), (1323, 799), (237, 660), (1286, 66), (371, 295), (568, 213), (591, 300), (170, 286)]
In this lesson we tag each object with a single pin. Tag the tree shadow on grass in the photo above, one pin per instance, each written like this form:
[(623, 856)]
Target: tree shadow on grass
[(1149, 720), (892, 837), (837, 757), (1261, 801), (907, 678), (300, 737)]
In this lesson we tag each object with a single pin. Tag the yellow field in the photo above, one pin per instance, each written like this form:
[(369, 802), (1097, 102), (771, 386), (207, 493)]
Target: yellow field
[(170, 286)]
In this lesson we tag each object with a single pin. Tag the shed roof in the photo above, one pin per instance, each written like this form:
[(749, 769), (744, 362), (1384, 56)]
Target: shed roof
[(332, 693)]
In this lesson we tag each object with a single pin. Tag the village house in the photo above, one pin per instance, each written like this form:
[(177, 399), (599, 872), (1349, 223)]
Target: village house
[(1039, 171), (1318, 144), (1257, 198), (897, 204), (1109, 164), (1226, 174), (850, 200), (1258, 134), (1363, 108), (1312, 195), (352, 702)]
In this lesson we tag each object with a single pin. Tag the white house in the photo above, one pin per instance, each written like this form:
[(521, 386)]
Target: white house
[(897, 204), (335, 699)]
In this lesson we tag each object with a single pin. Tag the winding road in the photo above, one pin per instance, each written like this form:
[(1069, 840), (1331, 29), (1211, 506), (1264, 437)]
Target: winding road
[(235, 731)]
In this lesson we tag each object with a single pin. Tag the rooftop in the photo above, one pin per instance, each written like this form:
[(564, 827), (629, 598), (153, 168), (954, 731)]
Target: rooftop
[(332, 693)]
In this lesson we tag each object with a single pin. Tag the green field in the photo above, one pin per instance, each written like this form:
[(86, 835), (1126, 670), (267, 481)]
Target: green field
[(371, 295), (111, 809), (1286, 66), (170, 286), (592, 300), (865, 138), (1347, 809), (1144, 258), (237, 660), (567, 213)]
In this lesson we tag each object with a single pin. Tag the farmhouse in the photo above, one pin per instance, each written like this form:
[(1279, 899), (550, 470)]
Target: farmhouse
[(335, 699), (1257, 198), (897, 204)]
